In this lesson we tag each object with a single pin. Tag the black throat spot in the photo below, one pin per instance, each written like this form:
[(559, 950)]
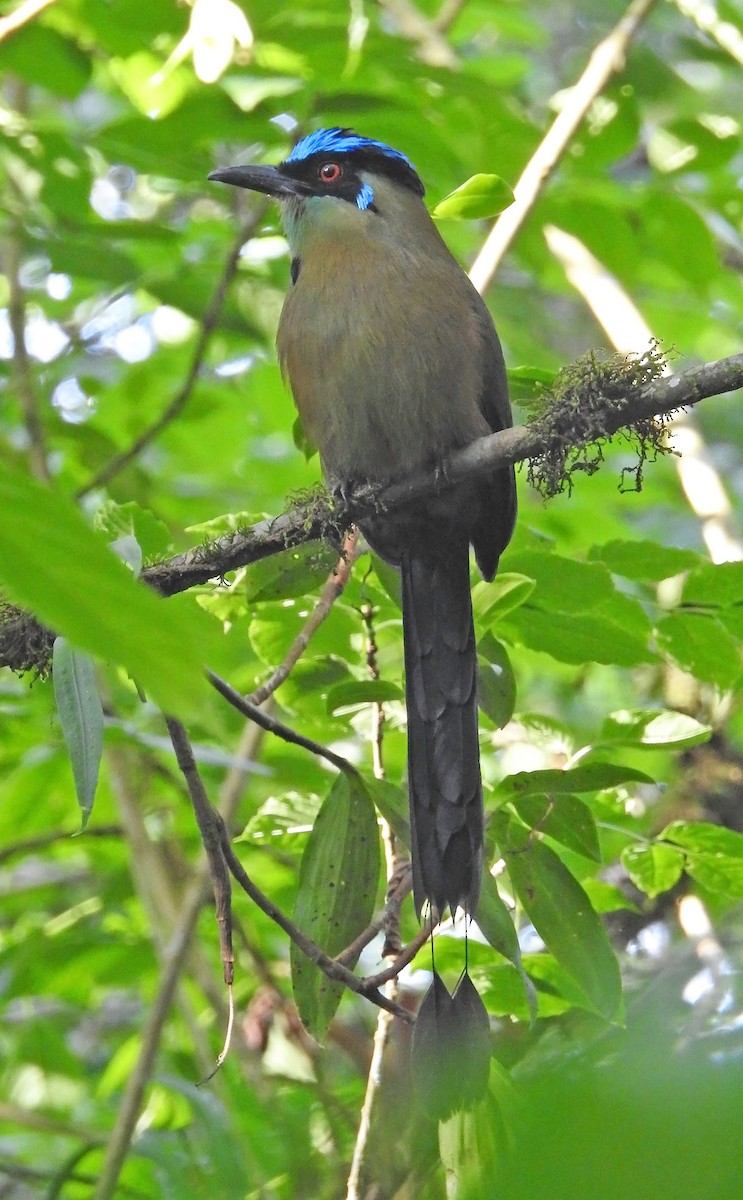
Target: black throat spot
[(295, 268)]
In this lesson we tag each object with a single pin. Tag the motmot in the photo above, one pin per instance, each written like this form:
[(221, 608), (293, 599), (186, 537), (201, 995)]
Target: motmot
[(394, 362)]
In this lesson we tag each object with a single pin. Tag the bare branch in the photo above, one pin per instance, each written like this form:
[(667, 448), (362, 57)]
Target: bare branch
[(606, 60), (21, 16), (271, 725), (333, 588), (329, 966)]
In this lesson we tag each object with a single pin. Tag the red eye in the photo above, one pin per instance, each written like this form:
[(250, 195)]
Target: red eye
[(329, 172)]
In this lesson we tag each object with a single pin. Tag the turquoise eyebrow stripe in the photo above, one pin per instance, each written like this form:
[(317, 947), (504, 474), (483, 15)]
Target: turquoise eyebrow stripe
[(340, 141)]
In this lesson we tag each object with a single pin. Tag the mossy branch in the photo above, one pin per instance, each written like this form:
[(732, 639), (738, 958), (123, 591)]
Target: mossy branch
[(590, 402)]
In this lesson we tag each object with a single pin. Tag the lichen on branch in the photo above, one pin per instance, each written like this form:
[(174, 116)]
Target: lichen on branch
[(577, 416)]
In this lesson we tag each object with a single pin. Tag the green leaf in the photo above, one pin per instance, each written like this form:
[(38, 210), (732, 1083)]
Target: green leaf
[(362, 691), (718, 874), (40, 55), (495, 921), (54, 565), (81, 718), (562, 584), (618, 633), (653, 868), (648, 561), (528, 383), (391, 800), (700, 644), (119, 520), (496, 683), (714, 855), (643, 727), (701, 837), (507, 591), (586, 777), (714, 583), (291, 573), (478, 197), (338, 882), (561, 913), (281, 818), (564, 818), (606, 897)]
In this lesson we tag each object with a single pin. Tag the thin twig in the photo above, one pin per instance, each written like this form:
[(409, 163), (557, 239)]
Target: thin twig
[(706, 18), (271, 725), (21, 16), (23, 373), (329, 966), (433, 47), (400, 885), (211, 841), (183, 395), (373, 1081), (334, 585), (625, 326), (42, 840), (405, 956), (175, 956), (606, 60)]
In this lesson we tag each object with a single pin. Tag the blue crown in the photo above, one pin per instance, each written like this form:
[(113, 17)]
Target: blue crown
[(341, 141)]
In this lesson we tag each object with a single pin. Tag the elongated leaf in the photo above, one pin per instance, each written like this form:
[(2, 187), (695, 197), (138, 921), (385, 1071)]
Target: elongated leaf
[(52, 563), (496, 683), (643, 727), (496, 923), (337, 888), (291, 573), (81, 718), (562, 915), (587, 777), (362, 691)]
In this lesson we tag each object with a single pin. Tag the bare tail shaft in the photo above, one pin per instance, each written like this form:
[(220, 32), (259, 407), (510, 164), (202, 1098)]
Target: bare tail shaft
[(443, 752)]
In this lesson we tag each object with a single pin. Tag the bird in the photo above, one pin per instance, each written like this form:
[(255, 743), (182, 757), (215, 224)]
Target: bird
[(394, 362)]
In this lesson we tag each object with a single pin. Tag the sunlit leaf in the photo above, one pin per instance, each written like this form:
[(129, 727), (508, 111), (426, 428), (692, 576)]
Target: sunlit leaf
[(480, 196)]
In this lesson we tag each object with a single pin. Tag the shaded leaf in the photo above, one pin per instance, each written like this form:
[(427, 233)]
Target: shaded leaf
[(586, 777), (362, 691), (81, 717), (338, 881), (496, 683), (564, 818), (650, 727), (649, 561), (291, 573), (561, 913), (701, 645), (99, 606)]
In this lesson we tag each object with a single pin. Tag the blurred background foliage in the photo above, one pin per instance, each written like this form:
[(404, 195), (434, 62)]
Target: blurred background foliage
[(138, 300)]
